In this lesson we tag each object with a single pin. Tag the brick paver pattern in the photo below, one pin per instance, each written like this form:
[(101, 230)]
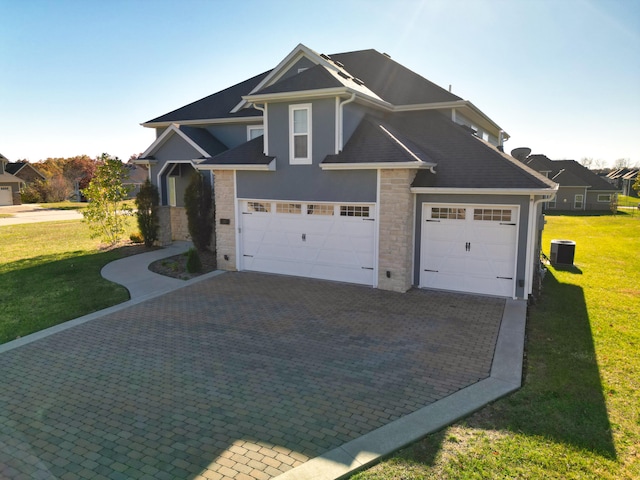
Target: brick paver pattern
[(243, 376)]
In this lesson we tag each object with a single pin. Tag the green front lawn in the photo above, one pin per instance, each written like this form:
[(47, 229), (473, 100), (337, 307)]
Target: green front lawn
[(625, 201), (578, 414), (50, 274)]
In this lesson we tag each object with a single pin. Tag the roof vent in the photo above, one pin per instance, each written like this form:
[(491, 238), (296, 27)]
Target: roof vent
[(520, 153), (386, 54), (325, 56), (343, 75), (340, 64), (358, 81)]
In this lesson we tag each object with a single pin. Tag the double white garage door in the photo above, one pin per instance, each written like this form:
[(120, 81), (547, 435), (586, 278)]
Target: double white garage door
[(316, 240), (463, 248)]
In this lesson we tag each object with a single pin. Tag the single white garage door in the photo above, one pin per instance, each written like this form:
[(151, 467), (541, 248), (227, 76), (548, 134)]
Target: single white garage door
[(316, 240), (6, 196), (469, 248)]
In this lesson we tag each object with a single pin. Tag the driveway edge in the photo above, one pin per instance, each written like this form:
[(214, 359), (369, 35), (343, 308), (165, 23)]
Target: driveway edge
[(5, 347), (506, 377)]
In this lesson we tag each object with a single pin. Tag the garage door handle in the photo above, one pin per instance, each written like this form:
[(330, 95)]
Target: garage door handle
[(304, 237), (427, 270), (367, 268), (505, 278), (505, 223), (467, 246)]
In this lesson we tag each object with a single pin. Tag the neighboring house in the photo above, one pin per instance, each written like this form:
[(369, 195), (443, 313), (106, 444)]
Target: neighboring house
[(353, 168), (25, 172), (580, 188), (623, 179), (137, 174), (10, 185)]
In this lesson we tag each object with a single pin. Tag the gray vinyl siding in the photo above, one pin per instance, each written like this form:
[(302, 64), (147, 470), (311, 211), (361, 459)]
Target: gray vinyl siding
[(351, 116), (566, 196), (306, 182), (521, 201), (231, 135)]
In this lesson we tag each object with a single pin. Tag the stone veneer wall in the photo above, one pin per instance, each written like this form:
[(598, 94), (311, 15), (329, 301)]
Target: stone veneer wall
[(395, 253), (179, 224), (225, 209), (173, 225)]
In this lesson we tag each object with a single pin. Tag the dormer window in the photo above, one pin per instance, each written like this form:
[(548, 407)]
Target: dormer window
[(300, 134)]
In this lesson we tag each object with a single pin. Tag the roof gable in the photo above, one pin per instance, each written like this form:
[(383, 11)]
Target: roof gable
[(14, 168), (199, 139), (374, 141)]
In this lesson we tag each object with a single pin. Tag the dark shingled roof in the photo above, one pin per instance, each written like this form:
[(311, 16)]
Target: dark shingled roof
[(313, 78), (249, 153), (217, 105), (391, 81), (464, 161), (13, 168), (374, 141), (568, 173), (204, 139)]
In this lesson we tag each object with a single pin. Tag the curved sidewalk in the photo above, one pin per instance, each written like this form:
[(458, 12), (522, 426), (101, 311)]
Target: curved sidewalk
[(133, 273)]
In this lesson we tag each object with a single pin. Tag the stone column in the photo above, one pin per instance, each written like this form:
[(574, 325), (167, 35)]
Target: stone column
[(395, 253), (225, 210)]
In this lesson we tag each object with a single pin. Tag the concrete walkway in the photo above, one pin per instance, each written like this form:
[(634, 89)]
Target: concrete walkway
[(134, 274), (249, 376)]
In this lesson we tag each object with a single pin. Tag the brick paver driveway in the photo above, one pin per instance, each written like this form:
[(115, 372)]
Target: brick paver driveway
[(240, 376)]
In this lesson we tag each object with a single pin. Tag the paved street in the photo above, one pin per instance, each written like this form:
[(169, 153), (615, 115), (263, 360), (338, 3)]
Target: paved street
[(35, 214), (241, 376)]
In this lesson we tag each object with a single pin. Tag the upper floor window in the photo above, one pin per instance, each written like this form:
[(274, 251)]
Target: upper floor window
[(254, 131), (300, 134)]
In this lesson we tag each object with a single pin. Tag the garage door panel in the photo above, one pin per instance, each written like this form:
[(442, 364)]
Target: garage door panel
[(319, 245), (469, 248)]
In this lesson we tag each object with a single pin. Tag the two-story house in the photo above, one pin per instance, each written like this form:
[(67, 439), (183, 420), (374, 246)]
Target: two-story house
[(353, 168)]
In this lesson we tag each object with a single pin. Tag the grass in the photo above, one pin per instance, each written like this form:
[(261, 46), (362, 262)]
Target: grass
[(50, 274), (577, 415), (626, 201)]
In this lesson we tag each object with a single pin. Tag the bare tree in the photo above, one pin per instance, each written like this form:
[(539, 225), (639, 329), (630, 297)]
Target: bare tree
[(586, 162), (622, 163)]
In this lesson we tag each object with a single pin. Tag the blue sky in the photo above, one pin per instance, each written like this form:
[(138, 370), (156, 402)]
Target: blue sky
[(78, 76)]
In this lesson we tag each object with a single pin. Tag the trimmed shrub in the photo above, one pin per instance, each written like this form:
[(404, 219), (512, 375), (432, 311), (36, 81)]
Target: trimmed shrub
[(198, 200), (147, 201), (194, 264), (136, 237)]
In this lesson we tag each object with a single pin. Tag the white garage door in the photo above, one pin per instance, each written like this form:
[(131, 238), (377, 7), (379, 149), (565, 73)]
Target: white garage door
[(6, 197), (316, 240), (469, 248)]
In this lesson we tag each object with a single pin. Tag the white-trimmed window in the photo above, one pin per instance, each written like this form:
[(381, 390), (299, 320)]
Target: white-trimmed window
[(354, 211), (320, 209), (578, 201), (295, 208), (254, 131), (604, 197), (552, 203), (259, 207), (300, 134)]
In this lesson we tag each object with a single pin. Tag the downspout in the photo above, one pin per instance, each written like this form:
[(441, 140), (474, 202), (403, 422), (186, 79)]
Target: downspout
[(528, 268), (340, 119), (264, 125)]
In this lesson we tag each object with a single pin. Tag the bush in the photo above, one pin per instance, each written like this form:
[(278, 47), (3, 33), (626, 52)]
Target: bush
[(31, 194), (194, 265), (198, 200), (136, 237), (147, 202)]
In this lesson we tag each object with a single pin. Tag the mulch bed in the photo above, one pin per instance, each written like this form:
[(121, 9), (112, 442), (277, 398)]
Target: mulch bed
[(176, 266)]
